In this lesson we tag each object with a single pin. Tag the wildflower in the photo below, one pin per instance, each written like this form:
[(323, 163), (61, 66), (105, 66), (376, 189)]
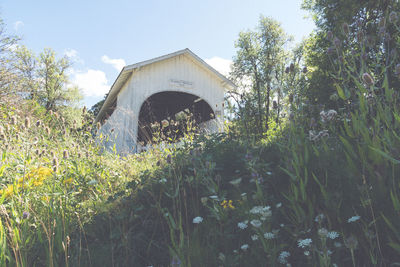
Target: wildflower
[(302, 243), (307, 253), (163, 181), (278, 205), (38, 123), (68, 181), (244, 247), (25, 215), (227, 204), (213, 197), (164, 123), (367, 78), (197, 220), (242, 225), (353, 219), (337, 244), (323, 232), (256, 223), (283, 257), (305, 70), (254, 237), (332, 235), (269, 235)]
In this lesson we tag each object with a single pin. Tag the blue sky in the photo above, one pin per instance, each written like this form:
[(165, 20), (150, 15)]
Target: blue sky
[(102, 36)]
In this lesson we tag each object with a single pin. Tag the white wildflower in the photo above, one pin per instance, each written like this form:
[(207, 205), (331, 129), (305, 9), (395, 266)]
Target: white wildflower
[(353, 219), (244, 247), (197, 220), (307, 253), (319, 218), (254, 237), (269, 235), (332, 235), (337, 244), (256, 223), (323, 232), (213, 197), (302, 243), (283, 257), (243, 225), (279, 205)]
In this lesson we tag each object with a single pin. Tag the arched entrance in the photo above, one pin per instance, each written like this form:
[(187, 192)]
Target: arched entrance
[(170, 106)]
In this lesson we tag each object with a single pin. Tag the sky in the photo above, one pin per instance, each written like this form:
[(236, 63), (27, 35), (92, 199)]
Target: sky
[(101, 37)]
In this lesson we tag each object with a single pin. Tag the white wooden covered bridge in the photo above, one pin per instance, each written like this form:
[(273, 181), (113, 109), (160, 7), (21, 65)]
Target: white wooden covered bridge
[(157, 89)]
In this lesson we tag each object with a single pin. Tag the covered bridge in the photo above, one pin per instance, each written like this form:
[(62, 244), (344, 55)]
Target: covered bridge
[(157, 89)]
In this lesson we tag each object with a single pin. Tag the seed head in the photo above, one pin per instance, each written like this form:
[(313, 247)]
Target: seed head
[(47, 130), (98, 125), (27, 123), (55, 168), (291, 67), (337, 42), (37, 152), (291, 98), (84, 110), (329, 35), (65, 154), (360, 36), (393, 17), (13, 120), (368, 80), (397, 70), (275, 105), (38, 123), (55, 161), (346, 29), (382, 23), (287, 70)]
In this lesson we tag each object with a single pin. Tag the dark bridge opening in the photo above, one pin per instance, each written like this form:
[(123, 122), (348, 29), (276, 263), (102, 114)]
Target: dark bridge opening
[(172, 107)]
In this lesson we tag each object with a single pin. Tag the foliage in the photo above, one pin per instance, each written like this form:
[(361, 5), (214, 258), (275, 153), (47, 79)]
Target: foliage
[(256, 67)]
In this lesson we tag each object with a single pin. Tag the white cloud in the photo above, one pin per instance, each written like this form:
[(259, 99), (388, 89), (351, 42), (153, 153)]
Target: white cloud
[(222, 65), (72, 54), (118, 64), (91, 82), (18, 24)]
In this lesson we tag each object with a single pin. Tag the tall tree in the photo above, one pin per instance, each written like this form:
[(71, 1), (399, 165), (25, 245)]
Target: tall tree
[(258, 57), (45, 78)]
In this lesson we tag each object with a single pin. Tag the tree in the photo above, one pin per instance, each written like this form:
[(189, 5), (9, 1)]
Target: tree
[(45, 78), (257, 61), (7, 75), (362, 28)]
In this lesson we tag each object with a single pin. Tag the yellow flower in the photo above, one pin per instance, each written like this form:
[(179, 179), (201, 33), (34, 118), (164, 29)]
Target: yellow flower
[(227, 204), (68, 181)]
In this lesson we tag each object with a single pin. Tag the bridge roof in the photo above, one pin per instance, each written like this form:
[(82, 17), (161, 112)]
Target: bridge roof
[(128, 70)]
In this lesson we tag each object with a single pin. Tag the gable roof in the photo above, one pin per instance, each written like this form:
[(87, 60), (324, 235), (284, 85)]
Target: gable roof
[(127, 71)]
